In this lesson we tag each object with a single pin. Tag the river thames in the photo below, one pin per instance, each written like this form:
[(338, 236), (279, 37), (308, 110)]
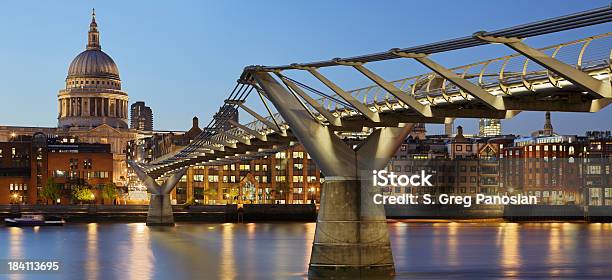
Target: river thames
[(422, 250)]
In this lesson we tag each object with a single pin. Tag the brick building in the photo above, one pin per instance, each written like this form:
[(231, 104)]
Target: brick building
[(547, 167), (27, 162), (288, 176)]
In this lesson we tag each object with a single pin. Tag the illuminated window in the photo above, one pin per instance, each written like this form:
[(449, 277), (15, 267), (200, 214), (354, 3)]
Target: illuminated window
[(198, 178), (213, 178), (87, 164)]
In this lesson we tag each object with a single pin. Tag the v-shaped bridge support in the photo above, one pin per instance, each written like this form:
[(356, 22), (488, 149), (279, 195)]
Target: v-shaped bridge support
[(160, 209), (351, 233)]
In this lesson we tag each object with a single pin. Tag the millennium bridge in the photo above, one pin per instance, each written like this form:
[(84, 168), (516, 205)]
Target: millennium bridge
[(349, 133)]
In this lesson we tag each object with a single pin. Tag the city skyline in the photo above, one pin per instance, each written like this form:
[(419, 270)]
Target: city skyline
[(144, 41), (308, 140)]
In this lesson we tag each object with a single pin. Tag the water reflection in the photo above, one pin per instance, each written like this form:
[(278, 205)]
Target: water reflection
[(140, 265), (227, 252), (509, 240), (91, 263), (15, 248), (452, 245), (282, 250)]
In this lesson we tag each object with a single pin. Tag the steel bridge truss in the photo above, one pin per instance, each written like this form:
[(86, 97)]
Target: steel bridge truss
[(568, 77)]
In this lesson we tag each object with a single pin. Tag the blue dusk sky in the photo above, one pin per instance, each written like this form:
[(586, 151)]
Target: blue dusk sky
[(183, 57)]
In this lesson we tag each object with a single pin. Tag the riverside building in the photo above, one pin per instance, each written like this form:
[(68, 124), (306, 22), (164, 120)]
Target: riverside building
[(27, 162)]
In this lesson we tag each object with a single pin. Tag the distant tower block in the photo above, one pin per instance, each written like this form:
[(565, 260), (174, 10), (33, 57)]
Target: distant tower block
[(489, 127), (548, 128), (141, 117)]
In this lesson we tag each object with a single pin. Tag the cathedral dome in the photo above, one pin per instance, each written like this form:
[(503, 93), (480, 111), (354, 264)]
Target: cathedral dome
[(93, 63), (92, 95)]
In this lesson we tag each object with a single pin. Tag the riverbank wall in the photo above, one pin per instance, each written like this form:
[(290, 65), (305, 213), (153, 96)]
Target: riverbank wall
[(195, 213), (308, 212)]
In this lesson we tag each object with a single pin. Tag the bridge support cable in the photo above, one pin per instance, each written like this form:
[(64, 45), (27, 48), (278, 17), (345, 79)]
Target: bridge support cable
[(319, 93), (333, 120), (409, 100), (249, 131), (298, 98), (160, 209), (240, 93), (257, 116), (262, 93), (595, 87), (236, 94), (548, 26), (360, 107), (495, 102), (351, 232)]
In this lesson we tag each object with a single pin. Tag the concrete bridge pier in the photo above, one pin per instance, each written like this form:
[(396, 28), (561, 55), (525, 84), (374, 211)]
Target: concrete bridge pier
[(351, 237), (160, 211), (160, 208)]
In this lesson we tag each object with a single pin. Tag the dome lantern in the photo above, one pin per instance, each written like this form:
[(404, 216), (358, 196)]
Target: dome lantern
[(93, 42)]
